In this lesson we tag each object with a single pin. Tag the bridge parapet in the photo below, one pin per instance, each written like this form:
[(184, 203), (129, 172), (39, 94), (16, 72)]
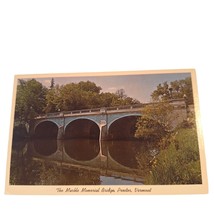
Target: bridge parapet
[(102, 110), (102, 117), (177, 103)]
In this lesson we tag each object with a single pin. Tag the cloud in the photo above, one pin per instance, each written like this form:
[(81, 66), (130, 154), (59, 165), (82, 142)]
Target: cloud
[(46, 82), (113, 89)]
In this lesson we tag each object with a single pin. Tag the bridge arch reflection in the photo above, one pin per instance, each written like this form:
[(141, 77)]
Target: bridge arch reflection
[(81, 149), (82, 139), (77, 136), (45, 147)]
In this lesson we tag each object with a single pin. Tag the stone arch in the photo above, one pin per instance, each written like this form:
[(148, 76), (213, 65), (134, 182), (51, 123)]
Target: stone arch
[(46, 129), (82, 139), (45, 138), (82, 128), (122, 116), (123, 127), (79, 118)]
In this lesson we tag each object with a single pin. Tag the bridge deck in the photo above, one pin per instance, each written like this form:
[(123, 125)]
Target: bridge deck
[(109, 110)]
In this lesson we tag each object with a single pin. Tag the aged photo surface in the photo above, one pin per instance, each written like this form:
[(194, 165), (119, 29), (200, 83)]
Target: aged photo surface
[(119, 132)]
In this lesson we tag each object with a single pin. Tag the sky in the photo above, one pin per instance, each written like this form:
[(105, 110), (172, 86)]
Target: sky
[(138, 86)]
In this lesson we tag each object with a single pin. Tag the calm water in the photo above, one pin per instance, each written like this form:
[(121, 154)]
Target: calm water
[(116, 161)]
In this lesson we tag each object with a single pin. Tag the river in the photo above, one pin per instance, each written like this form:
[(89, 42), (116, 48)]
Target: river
[(81, 162)]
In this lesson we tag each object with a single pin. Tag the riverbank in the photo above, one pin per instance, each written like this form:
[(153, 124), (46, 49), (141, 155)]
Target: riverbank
[(179, 163)]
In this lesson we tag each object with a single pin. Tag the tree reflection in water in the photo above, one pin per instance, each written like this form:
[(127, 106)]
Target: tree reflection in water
[(124, 152), (25, 171)]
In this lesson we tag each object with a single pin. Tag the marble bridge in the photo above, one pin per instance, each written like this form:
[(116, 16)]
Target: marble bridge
[(99, 123)]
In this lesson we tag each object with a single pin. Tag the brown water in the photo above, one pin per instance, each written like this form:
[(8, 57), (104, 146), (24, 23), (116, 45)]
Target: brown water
[(118, 157)]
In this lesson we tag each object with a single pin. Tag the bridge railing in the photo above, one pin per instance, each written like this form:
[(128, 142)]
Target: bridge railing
[(81, 111), (176, 103), (115, 108), (85, 111)]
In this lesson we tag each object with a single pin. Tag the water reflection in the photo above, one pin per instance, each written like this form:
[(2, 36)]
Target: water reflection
[(81, 149), (45, 147), (106, 171), (106, 180), (124, 152), (30, 172)]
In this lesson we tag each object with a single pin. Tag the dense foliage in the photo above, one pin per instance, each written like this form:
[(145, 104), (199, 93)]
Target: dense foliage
[(26, 171), (174, 90), (30, 100), (179, 163), (33, 98), (155, 122), (173, 156), (83, 95)]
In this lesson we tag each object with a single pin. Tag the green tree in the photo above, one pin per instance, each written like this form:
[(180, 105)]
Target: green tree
[(174, 90), (106, 99), (52, 83), (72, 96), (89, 86), (53, 100), (179, 163), (154, 129), (121, 93), (30, 100), (173, 157), (155, 122), (120, 99), (83, 95)]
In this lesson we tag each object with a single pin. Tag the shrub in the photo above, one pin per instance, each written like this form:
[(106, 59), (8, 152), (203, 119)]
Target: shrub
[(179, 163)]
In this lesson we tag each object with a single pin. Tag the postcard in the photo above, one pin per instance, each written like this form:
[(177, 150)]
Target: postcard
[(132, 132)]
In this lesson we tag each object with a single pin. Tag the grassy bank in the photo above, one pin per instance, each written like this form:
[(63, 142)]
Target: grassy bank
[(179, 163)]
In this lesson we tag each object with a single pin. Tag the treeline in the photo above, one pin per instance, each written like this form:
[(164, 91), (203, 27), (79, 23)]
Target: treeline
[(174, 153), (34, 99), (84, 95), (174, 90)]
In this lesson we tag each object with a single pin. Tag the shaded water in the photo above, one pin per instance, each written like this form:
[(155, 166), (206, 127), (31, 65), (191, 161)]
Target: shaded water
[(81, 149), (117, 157)]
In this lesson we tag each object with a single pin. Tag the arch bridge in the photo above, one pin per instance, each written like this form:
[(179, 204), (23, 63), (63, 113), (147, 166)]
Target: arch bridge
[(99, 123)]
